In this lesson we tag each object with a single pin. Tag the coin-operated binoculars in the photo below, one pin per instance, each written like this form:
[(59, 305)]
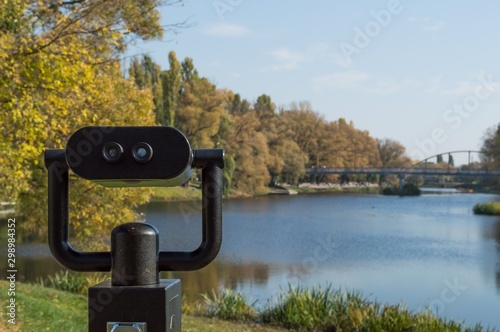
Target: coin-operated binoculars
[(135, 299)]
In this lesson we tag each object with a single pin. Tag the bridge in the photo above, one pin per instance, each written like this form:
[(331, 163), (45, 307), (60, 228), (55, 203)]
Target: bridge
[(420, 168), (403, 171)]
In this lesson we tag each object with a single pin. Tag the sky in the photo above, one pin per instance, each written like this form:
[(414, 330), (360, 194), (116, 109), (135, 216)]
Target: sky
[(424, 73)]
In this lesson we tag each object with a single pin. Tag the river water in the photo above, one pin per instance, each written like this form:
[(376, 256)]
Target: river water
[(421, 251)]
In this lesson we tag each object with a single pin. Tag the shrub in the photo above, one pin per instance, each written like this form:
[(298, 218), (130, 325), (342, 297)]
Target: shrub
[(317, 309), (67, 282), (73, 283), (228, 305), (491, 209)]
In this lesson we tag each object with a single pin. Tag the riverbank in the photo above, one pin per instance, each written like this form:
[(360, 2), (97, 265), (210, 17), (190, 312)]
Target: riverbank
[(40, 308), (490, 209), (296, 309), (193, 191)]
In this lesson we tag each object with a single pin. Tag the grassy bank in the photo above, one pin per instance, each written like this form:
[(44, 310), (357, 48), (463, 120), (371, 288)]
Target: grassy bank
[(47, 309), (191, 192), (491, 209), (335, 189)]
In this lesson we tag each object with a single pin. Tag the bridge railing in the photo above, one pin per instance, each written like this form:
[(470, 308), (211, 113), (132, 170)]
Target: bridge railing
[(403, 171)]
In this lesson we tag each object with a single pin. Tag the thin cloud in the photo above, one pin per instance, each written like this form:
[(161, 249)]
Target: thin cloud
[(345, 80), (285, 59), (385, 86), (435, 84), (364, 82), (226, 30), (434, 28), (418, 19), (340, 60), (427, 25), (461, 88)]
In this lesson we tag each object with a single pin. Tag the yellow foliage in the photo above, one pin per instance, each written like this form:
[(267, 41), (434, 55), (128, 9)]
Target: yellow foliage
[(54, 79)]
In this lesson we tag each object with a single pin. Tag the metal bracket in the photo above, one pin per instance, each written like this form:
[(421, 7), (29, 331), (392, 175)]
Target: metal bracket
[(211, 161), (126, 327)]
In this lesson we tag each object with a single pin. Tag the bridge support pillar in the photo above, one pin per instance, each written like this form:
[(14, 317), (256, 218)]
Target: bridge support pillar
[(401, 182)]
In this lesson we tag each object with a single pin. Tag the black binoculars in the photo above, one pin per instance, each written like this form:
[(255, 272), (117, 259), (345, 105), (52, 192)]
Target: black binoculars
[(135, 298)]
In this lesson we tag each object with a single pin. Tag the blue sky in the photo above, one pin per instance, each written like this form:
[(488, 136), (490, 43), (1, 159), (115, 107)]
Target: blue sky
[(425, 73)]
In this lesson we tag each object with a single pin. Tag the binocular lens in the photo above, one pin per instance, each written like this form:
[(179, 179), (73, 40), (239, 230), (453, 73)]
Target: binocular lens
[(142, 152), (112, 152)]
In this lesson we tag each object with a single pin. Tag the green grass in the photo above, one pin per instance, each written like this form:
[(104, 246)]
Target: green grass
[(300, 309), (46, 309), (229, 305), (328, 309), (176, 193), (491, 208), (73, 282)]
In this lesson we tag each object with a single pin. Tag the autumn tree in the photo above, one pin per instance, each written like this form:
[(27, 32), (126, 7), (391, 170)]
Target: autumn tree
[(307, 131), (147, 75), (238, 105), (200, 111), (491, 148), (392, 153), (172, 89), (59, 70), (249, 150), (451, 161)]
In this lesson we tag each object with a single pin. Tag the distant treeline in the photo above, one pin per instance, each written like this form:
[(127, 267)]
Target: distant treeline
[(264, 144)]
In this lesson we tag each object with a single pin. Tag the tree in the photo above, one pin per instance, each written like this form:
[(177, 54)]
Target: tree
[(200, 112), (264, 104), (491, 148), (172, 88), (59, 71), (248, 148), (147, 75), (451, 161), (237, 105), (392, 153), (294, 162), (439, 159)]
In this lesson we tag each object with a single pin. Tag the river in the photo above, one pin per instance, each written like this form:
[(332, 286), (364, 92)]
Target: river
[(421, 251)]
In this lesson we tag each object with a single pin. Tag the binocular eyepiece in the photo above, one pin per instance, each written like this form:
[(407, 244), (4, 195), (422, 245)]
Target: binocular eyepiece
[(130, 156)]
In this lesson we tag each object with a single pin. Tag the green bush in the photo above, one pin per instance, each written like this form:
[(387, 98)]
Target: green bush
[(73, 283), (316, 309), (334, 310), (491, 209), (228, 305), (409, 189)]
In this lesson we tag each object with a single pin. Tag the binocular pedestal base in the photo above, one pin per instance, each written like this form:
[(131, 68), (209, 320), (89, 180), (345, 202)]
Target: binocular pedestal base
[(135, 308)]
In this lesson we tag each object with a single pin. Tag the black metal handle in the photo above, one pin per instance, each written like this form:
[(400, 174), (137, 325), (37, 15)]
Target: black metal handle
[(211, 161)]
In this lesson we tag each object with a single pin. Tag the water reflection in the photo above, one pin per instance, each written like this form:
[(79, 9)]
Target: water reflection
[(491, 231), (393, 249), (218, 276)]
